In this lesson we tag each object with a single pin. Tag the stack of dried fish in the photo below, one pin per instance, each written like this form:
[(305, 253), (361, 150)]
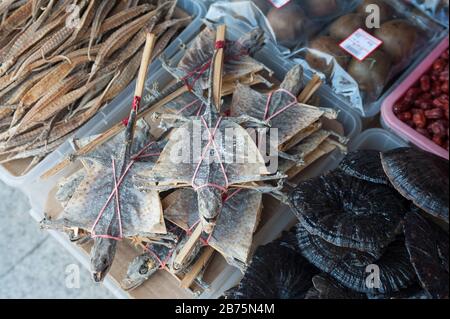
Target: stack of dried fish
[(61, 61), (206, 205), (368, 241)]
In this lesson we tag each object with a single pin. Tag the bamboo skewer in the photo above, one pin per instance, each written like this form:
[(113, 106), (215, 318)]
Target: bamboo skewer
[(218, 66), (140, 85), (197, 267)]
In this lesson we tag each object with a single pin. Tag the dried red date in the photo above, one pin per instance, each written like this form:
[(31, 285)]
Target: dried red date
[(425, 106), (438, 140), (419, 119), (425, 83), (405, 116), (438, 129), (434, 114)]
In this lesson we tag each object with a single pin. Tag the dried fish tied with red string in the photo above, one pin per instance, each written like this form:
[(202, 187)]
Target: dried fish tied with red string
[(107, 205), (232, 235), (238, 62), (211, 174), (279, 108)]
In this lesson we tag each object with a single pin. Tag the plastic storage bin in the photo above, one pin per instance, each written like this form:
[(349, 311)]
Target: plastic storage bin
[(378, 140), (275, 225), (194, 8), (391, 122)]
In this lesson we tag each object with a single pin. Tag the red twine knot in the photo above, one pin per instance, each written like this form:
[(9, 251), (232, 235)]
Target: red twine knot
[(220, 45), (136, 103)]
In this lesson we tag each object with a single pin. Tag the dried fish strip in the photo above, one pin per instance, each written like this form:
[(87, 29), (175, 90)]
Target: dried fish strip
[(44, 42)]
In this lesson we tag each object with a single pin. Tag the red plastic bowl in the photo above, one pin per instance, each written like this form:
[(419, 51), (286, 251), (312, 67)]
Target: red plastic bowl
[(397, 126)]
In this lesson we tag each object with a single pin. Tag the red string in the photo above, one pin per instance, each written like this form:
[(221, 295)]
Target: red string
[(220, 45), (199, 71), (125, 121), (136, 103), (115, 193), (269, 99)]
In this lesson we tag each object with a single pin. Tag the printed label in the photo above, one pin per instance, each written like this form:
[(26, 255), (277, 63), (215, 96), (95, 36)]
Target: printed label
[(360, 44), (279, 3)]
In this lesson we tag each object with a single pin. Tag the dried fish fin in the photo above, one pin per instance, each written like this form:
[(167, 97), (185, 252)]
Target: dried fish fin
[(235, 226), (68, 185)]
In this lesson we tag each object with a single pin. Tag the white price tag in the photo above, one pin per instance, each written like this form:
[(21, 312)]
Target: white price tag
[(360, 44), (279, 3)]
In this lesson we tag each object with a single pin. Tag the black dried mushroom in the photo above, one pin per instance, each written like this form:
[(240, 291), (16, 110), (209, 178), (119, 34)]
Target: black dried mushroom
[(349, 212), (365, 165), (428, 249), (421, 177), (352, 268), (277, 271)]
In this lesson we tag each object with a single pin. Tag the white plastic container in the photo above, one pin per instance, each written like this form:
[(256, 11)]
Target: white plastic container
[(274, 227), (99, 122)]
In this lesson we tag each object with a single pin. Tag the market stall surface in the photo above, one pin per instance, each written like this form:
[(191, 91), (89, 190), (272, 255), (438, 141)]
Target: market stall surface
[(32, 263)]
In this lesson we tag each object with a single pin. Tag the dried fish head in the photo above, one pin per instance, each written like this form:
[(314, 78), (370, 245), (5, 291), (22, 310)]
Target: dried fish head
[(428, 248), (139, 271), (421, 177), (102, 257), (209, 206), (365, 165), (349, 212)]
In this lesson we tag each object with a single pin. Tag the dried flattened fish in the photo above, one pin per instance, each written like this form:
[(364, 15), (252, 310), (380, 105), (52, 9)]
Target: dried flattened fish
[(91, 206)]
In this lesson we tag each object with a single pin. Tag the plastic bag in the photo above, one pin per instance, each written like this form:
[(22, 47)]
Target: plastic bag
[(359, 55), (294, 22), (436, 9)]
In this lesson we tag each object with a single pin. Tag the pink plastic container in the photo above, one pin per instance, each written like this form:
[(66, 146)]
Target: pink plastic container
[(393, 123)]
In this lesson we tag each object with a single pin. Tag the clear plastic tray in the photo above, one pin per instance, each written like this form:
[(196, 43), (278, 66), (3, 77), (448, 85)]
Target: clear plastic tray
[(350, 120), (101, 121), (390, 120), (378, 140)]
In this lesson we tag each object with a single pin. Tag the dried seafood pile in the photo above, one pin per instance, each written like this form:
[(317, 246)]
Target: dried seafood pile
[(179, 214), (61, 61), (374, 228)]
